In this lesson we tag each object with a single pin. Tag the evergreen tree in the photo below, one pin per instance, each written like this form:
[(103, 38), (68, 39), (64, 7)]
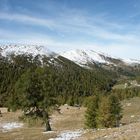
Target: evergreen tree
[(91, 113), (103, 115), (115, 111), (103, 112), (32, 98)]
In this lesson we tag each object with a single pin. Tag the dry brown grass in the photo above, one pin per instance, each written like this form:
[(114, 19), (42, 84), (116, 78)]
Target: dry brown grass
[(129, 131), (9, 116), (26, 134), (69, 119), (131, 110), (72, 118)]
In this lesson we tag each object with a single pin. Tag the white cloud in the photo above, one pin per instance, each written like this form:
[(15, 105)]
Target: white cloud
[(95, 27), (115, 49), (79, 26), (26, 19)]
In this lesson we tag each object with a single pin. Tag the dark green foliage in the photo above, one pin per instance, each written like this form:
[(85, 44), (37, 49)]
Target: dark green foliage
[(30, 96), (103, 111), (66, 78), (91, 113), (115, 110), (126, 93)]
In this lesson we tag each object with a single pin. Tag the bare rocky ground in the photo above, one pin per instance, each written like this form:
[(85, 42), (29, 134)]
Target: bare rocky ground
[(127, 132), (69, 124)]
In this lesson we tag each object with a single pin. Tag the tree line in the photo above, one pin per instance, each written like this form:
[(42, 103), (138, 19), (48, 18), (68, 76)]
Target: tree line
[(35, 84)]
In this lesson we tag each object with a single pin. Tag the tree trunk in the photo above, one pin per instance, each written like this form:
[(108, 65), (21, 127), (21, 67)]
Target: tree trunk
[(48, 127), (46, 120)]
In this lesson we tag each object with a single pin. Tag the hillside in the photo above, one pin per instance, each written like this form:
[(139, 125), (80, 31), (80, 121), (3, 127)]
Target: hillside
[(100, 74), (88, 59), (80, 57), (85, 57), (65, 76)]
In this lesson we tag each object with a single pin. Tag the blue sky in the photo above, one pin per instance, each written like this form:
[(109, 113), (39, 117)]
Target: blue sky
[(110, 26)]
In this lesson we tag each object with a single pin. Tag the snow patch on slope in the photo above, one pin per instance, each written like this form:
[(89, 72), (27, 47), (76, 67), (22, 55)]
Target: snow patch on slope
[(9, 126), (68, 135), (131, 61)]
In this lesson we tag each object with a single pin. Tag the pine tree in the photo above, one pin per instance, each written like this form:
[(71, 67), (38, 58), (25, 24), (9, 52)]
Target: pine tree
[(103, 113), (91, 113), (32, 97), (115, 111)]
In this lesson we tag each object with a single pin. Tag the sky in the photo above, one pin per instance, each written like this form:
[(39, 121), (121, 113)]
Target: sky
[(109, 26)]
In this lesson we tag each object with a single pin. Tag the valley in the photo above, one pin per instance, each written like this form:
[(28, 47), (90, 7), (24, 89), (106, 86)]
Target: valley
[(47, 91)]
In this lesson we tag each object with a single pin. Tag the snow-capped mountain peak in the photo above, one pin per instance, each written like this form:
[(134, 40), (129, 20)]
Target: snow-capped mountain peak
[(82, 57), (25, 49), (85, 57)]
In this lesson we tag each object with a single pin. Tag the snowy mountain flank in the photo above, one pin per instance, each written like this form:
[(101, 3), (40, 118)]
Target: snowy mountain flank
[(25, 49), (83, 58)]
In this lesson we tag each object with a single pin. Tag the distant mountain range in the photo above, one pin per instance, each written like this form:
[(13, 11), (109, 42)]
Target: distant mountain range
[(84, 58)]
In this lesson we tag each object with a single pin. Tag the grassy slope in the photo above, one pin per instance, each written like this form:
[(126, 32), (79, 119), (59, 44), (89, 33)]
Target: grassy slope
[(129, 131), (72, 118)]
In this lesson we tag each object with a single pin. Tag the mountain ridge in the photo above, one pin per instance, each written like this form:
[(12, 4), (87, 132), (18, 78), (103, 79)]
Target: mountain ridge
[(83, 58)]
